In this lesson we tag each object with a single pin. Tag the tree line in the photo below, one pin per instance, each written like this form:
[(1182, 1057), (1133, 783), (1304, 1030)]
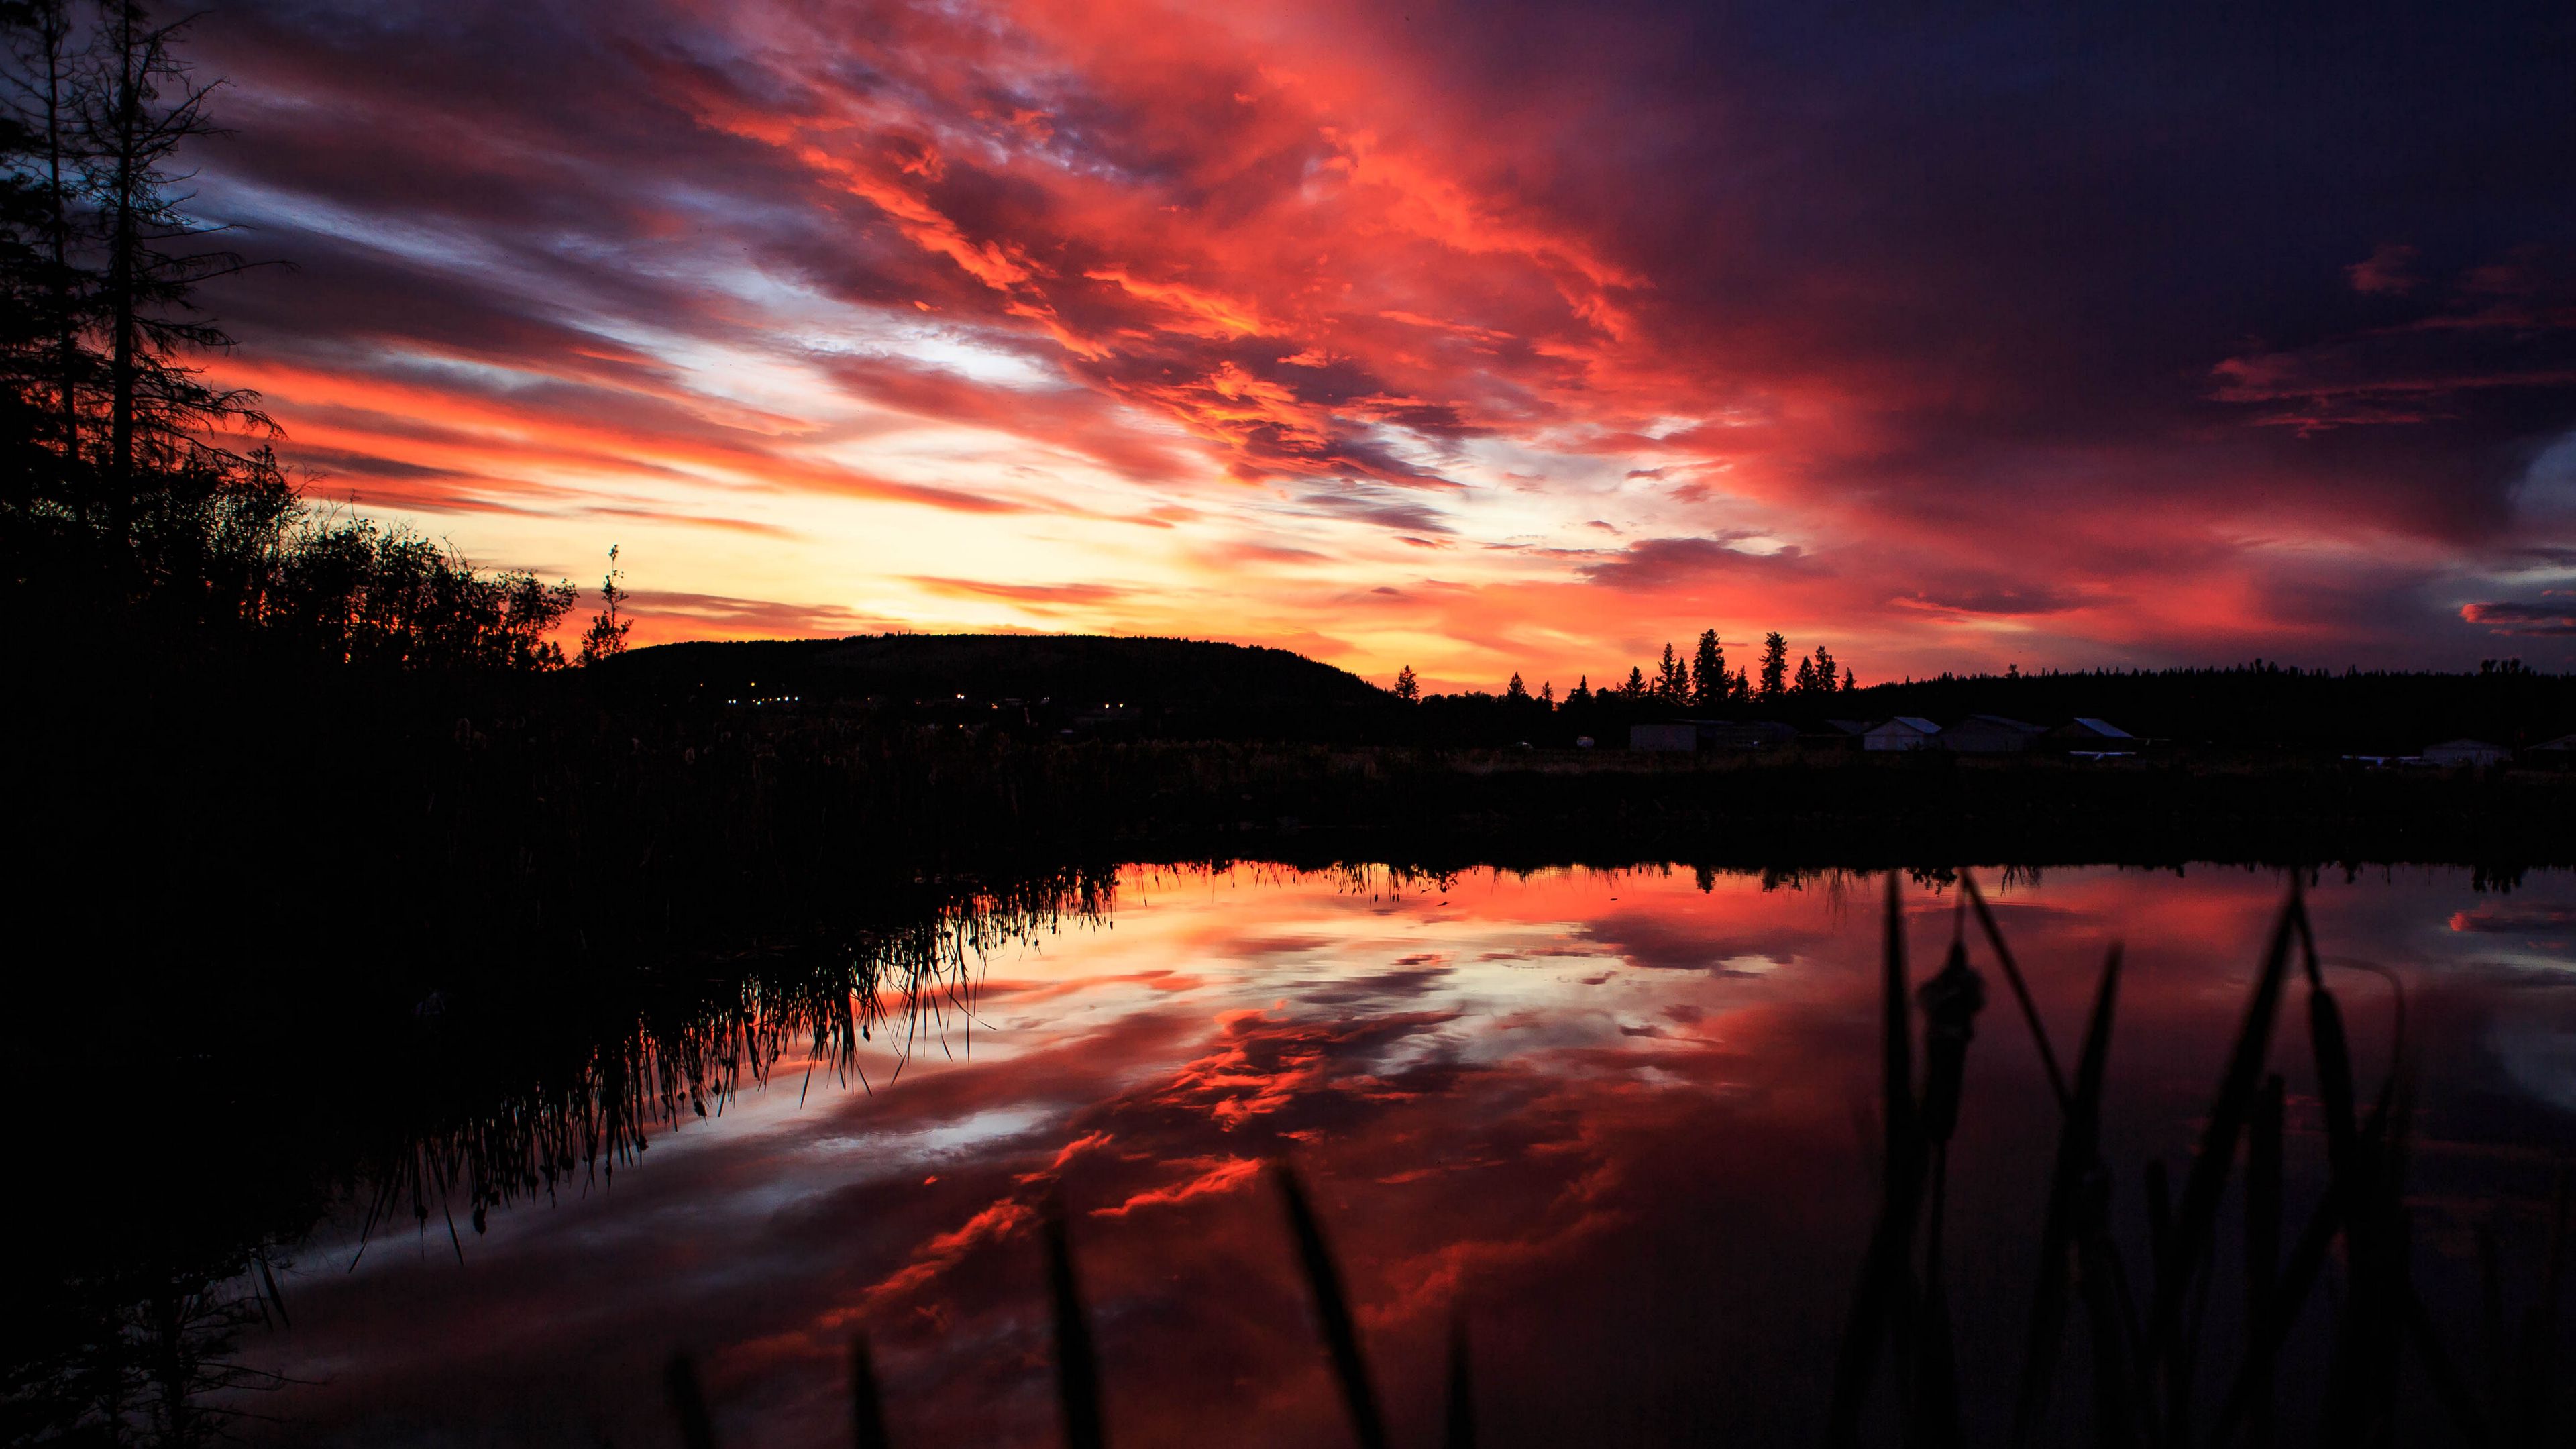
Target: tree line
[(1701, 681), (136, 496)]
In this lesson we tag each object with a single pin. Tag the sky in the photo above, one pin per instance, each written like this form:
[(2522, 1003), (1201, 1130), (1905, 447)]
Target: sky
[(1480, 338)]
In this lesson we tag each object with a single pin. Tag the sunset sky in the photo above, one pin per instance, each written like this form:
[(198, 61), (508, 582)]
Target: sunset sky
[(1476, 337)]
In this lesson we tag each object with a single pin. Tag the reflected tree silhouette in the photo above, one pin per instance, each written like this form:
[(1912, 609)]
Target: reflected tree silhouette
[(126, 1331), (816, 1004)]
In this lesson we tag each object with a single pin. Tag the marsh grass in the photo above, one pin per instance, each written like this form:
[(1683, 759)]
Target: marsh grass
[(2148, 1351), (909, 986)]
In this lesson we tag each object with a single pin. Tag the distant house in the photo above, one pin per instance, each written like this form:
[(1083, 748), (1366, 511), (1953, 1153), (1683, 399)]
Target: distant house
[(1990, 734), (1905, 732), (2466, 752), (2559, 753), (1747, 735), (2083, 732), (2087, 738), (1680, 738)]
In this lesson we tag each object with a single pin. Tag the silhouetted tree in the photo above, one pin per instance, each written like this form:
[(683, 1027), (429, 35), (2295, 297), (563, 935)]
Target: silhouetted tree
[(1547, 694), (1848, 685), (146, 104), (1407, 688), (1635, 689), (1709, 679), (606, 637), (1805, 683), (120, 502), (47, 97), (1672, 680), (1775, 667), (1581, 693), (1516, 690), (25, 304), (363, 594), (1817, 679)]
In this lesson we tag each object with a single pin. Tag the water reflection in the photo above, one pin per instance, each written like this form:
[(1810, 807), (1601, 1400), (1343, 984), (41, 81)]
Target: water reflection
[(824, 1000), (1627, 1119)]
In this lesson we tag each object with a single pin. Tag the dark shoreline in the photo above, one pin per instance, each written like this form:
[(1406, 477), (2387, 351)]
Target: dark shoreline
[(1851, 812), (521, 941), (553, 835)]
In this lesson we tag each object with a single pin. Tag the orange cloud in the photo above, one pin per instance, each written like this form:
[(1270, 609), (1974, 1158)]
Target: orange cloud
[(1305, 330)]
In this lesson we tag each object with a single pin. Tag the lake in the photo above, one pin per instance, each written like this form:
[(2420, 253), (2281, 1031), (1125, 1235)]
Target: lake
[(1625, 1123)]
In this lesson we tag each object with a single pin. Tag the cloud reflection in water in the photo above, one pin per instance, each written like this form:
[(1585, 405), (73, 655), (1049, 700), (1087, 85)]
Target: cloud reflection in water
[(1628, 1120)]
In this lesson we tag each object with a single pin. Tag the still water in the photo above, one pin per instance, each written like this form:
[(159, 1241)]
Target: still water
[(1625, 1122)]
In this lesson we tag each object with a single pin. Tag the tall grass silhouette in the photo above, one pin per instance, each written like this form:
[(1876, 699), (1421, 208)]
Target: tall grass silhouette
[(2147, 1351), (902, 984)]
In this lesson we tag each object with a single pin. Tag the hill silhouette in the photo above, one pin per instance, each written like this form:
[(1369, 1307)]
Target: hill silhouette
[(1093, 681)]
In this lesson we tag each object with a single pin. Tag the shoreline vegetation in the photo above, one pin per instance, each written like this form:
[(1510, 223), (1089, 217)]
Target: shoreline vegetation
[(534, 823)]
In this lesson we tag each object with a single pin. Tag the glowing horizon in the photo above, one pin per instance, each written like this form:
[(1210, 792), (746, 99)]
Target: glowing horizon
[(1478, 340)]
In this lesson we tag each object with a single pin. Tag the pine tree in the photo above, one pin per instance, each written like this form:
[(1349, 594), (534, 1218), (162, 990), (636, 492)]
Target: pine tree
[(1547, 695), (1824, 670), (1581, 693), (1848, 686), (1635, 689), (51, 96), (1806, 680), (1516, 690), (1672, 680), (1407, 688), (26, 352), (145, 105), (1709, 679), (1775, 667)]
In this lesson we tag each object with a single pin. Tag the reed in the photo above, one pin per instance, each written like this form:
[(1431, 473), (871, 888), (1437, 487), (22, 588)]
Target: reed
[(1332, 1310), (688, 1403), (2166, 1352), (1458, 1421), (2143, 1369), (2074, 1243), (1077, 1364), (691, 1048), (867, 1404), (2263, 1152), (2535, 1384)]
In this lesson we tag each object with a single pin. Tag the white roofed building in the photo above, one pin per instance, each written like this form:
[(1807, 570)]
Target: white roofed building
[(1905, 732)]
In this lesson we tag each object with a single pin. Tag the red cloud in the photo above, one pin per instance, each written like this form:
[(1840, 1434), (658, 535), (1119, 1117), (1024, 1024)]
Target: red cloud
[(1142, 290), (2514, 618)]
